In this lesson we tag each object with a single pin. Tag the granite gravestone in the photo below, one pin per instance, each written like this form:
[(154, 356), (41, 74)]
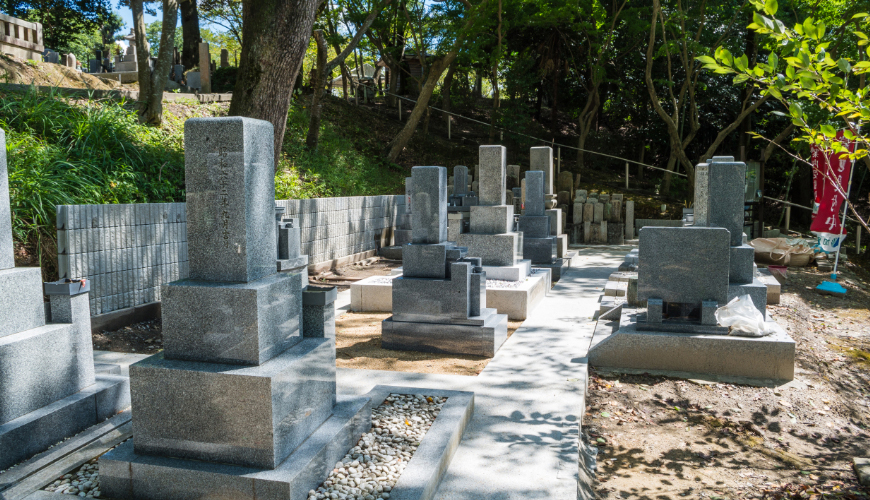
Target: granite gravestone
[(694, 270), (491, 236), (439, 303), (538, 245), (49, 388), (240, 384)]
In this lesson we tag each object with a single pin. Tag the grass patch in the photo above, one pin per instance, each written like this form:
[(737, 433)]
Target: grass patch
[(63, 151), (347, 162)]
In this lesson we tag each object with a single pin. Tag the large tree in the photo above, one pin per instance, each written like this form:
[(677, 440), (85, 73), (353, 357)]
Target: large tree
[(276, 35), (152, 83), (190, 33)]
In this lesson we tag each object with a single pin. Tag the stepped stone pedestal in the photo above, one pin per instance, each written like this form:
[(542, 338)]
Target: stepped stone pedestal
[(684, 275), (491, 237), (49, 389), (242, 401), (439, 303)]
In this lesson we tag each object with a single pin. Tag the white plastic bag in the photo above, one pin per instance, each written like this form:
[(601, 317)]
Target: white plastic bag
[(743, 318)]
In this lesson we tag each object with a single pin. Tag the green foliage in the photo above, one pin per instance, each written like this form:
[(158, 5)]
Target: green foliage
[(61, 20), (153, 32), (62, 153), (802, 75), (224, 79), (346, 162)]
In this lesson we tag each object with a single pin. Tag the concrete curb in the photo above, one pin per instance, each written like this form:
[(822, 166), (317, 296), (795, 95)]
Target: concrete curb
[(423, 474), (24, 480)]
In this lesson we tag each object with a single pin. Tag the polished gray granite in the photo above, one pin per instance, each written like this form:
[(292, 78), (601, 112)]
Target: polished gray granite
[(126, 473), (229, 181), (429, 198), (475, 340), (256, 418), (241, 323), (493, 175), (21, 304), (683, 264)]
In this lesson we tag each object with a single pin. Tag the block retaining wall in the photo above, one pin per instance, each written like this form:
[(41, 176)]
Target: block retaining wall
[(129, 251)]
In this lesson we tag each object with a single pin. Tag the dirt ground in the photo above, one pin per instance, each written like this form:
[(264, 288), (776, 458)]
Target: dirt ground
[(667, 438), (15, 70), (358, 335), (345, 276), (358, 345)]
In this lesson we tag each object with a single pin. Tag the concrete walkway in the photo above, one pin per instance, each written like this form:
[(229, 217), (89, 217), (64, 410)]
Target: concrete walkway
[(529, 401)]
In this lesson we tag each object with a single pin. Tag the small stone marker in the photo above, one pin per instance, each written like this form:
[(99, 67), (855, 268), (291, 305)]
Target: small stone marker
[(225, 58)]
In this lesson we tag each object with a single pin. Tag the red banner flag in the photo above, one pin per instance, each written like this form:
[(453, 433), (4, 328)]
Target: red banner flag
[(827, 169)]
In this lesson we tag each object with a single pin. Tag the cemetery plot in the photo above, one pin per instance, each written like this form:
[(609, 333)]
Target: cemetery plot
[(358, 345), (662, 437)]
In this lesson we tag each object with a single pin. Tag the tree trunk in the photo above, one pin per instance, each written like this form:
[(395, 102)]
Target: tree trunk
[(190, 34), (276, 35), (393, 87), (477, 93), (587, 118), (142, 55), (397, 145), (317, 91), (151, 110), (666, 184), (445, 90)]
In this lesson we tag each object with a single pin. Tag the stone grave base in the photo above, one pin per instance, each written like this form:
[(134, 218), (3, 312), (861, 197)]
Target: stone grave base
[(126, 474), (126, 76), (392, 253), (557, 268), (619, 345), (519, 302), (375, 294), (33, 433), (446, 338), (516, 272)]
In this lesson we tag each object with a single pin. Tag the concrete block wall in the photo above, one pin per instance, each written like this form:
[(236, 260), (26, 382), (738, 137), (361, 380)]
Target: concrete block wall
[(332, 228), (126, 251), (129, 251)]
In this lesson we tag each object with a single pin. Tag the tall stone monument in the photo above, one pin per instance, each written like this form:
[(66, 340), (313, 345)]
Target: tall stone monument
[(688, 272), (242, 402), (491, 236), (541, 158), (684, 274), (539, 246), (439, 303), (459, 203), (49, 388)]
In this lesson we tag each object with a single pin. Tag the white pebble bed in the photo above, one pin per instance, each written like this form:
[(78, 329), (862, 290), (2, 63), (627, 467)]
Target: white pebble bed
[(370, 470), (83, 482)]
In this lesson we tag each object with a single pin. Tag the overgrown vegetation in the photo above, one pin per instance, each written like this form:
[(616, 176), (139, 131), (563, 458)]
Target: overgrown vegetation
[(62, 151)]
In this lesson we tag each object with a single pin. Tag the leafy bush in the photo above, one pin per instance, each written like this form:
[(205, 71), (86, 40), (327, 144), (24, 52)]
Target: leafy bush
[(59, 152)]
